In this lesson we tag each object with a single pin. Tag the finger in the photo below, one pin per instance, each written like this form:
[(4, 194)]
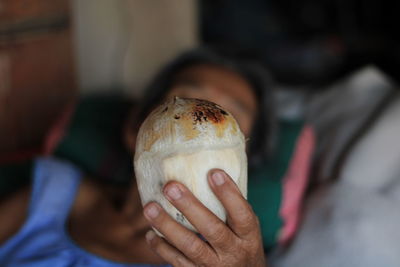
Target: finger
[(215, 231), (240, 215), (166, 251), (180, 237)]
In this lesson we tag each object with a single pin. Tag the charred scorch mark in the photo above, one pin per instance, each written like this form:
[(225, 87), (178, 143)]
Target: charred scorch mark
[(198, 116), (179, 217), (205, 111)]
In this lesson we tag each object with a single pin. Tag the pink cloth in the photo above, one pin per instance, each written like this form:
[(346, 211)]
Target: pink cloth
[(58, 130), (53, 138), (295, 183)]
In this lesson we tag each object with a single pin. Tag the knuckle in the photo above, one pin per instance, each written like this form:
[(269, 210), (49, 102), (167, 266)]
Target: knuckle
[(252, 247), (246, 225), (194, 246), (154, 243), (188, 241), (217, 233), (248, 221), (159, 246), (179, 261)]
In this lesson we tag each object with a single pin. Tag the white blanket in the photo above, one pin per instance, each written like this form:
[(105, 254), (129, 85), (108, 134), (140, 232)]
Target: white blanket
[(355, 221)]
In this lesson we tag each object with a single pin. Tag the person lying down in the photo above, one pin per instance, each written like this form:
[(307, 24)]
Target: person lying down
[(68, 217)]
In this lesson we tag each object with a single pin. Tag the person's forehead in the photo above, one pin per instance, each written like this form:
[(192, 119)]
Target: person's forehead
[(221, 78), (211, 71)]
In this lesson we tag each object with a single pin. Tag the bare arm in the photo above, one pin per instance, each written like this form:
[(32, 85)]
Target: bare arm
[(13, 213)]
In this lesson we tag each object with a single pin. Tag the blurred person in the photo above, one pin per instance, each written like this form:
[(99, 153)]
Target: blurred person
[(75, 221), (279, 150)]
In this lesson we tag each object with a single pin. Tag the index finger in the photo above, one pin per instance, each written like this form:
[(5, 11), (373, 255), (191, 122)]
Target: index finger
[(240, 216), (215, 231)]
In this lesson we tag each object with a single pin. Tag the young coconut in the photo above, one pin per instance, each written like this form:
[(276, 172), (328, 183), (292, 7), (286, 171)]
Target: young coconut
[(182, 140)]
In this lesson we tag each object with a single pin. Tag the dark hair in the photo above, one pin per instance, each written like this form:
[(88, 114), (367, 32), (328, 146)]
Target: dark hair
[(262, 135)]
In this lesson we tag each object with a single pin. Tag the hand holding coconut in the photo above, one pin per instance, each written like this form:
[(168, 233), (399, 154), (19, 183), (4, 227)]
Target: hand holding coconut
[(181, 147)]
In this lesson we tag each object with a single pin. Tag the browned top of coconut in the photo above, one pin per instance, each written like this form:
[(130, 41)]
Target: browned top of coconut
[(204, 111), (190, 115)]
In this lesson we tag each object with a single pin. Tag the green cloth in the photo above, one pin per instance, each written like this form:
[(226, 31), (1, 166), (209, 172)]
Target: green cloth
[(94, 139), (14, 176), (266, 183)]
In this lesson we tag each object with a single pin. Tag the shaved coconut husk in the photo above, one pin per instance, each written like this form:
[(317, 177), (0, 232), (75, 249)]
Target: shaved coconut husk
[(182, 140)]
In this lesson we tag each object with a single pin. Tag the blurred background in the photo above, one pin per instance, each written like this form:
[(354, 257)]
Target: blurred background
[(52, 50), (334, 64)]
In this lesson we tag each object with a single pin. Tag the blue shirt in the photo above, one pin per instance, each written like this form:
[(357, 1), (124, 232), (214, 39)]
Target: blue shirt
[(43, 240)]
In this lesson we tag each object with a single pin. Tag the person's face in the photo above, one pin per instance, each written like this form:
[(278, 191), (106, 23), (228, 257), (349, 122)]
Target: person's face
[(219, 85), (216, 84)]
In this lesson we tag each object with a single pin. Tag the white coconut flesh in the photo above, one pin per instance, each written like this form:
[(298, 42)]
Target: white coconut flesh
[(182, 140)]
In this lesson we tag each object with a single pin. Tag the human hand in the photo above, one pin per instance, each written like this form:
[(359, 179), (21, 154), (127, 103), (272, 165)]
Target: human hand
[(236, 243)]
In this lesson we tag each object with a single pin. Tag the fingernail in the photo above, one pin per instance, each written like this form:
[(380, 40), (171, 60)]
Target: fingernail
[(150, 235), (173, 192), (152, 211), (218, 178)]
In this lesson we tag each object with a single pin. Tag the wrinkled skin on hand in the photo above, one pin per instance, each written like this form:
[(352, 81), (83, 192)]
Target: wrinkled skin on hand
[(236, 243)]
